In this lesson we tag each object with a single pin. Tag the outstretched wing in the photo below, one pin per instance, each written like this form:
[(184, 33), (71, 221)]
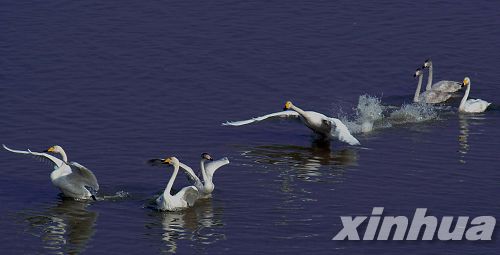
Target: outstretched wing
[(83, 175), (190, 194), (212, 166), (42, 156), (276, 115), (193, 178), (340, 131)]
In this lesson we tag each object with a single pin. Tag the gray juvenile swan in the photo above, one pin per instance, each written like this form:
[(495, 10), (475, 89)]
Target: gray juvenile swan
[(325, 126), (429, 96), (443, 86)]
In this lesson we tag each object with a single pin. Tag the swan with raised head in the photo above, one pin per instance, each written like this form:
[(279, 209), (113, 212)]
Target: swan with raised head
[(429, 96), (443, 86), (185, 198), (326, 127), (471, 105), (208, 166), (73, 179)]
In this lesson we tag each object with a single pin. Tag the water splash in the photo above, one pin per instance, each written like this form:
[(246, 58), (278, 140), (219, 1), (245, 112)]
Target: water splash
[(368, 113), (413, 113)]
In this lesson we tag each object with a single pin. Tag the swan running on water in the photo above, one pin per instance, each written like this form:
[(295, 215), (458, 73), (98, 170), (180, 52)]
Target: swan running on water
[(429, 96), (443, 86), (185, 198), (471, 105), (73, 179), (208, 166), (325, 126)]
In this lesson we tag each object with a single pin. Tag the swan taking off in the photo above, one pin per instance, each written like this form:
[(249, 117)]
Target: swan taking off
[(208, 166), (429, 96), (185, 198), (325, 126), (443, 86), (73, 179), (471, 105)]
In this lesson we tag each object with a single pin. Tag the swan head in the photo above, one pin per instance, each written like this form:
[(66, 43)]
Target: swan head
[(54, 149), (466, 81), (206, 156), (170, 161), (288, 105), (418, 73), (427, 63)]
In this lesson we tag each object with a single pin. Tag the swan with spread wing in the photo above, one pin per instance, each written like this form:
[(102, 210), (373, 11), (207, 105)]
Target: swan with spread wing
[(183, 199), (73, 179), (325, 126), (208, 166)]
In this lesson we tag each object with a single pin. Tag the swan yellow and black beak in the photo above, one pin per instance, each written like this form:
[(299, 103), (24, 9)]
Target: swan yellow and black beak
[(288, 105), (167, 161), (465, 82), (51, 149)]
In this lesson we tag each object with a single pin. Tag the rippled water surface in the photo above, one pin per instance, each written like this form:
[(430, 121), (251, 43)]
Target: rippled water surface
[(118, 82)]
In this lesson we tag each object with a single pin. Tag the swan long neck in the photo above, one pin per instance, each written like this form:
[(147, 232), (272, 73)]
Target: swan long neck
[(464, 99), (417, 92), (429, 79), (166, 193), (298, 110), (203, 172), (63, 155)]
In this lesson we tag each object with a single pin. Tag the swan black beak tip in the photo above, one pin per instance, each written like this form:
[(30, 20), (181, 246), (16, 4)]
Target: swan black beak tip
[(284, 109)]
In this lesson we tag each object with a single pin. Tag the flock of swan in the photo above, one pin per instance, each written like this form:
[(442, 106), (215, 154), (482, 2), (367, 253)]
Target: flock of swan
[(76, 181)]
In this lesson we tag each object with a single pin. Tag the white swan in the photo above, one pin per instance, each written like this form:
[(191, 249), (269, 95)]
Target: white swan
[(73, 179), (325, 126), (443, 86), (185, 198), (429, 96), (471, 105), (208, 166)]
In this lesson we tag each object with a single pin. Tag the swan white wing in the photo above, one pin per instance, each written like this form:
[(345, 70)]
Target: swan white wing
[(81, 174), (276, 115), (43, 156), (341, 131), (189, 194), (447, 86), (193, 178), (212, 166)]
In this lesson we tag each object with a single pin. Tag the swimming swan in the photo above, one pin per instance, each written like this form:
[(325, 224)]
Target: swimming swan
[(208, 166), (73, 179), (185, 198), (443, 86), (429, 96), (471, 105), (325, 126)]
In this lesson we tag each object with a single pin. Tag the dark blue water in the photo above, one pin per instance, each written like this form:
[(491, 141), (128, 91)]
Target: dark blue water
[(119, 82)]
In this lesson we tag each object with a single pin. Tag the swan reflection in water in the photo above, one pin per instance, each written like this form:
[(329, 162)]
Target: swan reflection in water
[(65, 228), (200, 224), (304, 162), (463, 137)]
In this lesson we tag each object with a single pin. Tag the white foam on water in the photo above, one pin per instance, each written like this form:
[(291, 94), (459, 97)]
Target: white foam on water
[(413, 113), (368, 113)]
